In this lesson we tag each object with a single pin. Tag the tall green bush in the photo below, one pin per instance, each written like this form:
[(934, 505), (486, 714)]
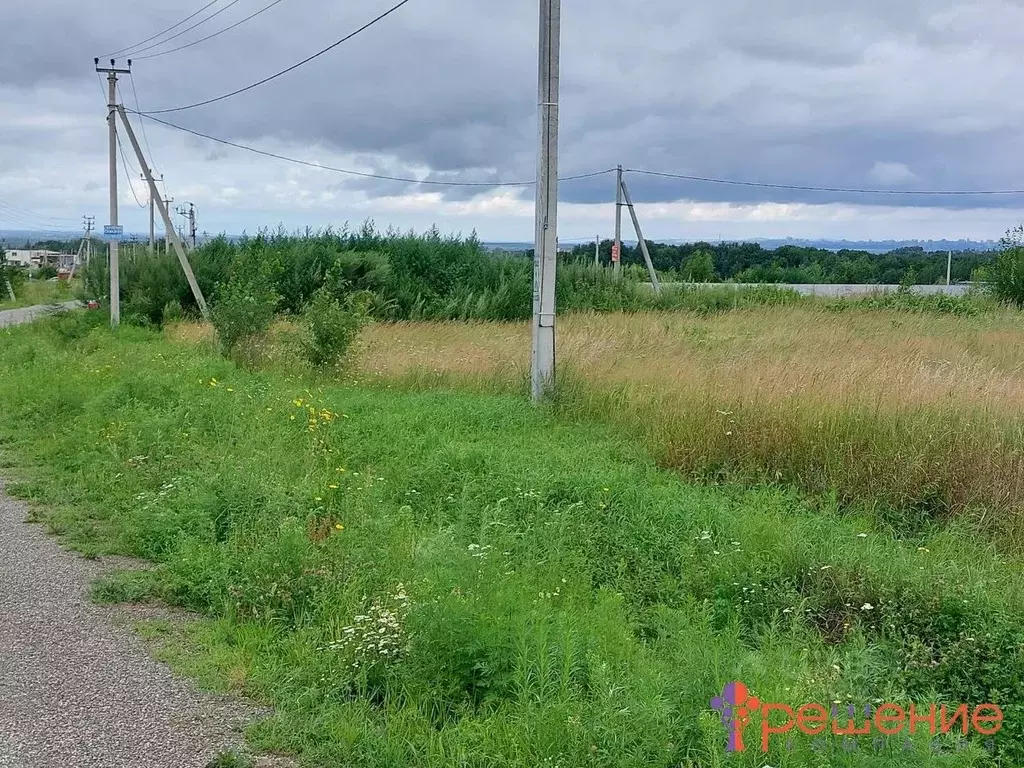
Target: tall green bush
[(331, 325), (244, 309), (1006, 274)]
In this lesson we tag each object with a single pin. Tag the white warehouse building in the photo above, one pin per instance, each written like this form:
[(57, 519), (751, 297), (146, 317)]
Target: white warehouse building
[(24, 258)]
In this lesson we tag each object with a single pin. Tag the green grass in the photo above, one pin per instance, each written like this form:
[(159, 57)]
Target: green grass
[(546, 595), (37, 292)]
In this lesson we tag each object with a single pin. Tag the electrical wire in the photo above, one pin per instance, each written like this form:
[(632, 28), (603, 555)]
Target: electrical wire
[(292, 68), (164, 32), (21, 212), (210, 37), (187, 29), (124, 165), (103, 91), (17, 217), (362, 174), (29, 223), (138, 106), (845, 190)]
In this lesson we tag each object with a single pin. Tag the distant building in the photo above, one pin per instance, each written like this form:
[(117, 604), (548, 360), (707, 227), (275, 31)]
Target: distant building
[(21, 258), (39, 258)]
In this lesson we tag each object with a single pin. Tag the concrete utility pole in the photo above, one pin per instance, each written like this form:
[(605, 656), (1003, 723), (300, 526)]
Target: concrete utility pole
[(640, 238), (81, 257), (190, 214), (115, 276), (597, 250), (164, 214), (542, 374), (152, 217), (89, 222), (7, 280), (616, 249), (167, 235), (949, 268)]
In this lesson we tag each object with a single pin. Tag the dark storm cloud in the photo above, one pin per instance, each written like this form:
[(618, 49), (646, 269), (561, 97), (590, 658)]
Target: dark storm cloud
[(795, 91)]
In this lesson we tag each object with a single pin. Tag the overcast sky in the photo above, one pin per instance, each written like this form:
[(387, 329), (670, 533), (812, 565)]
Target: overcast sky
[(879, 94)]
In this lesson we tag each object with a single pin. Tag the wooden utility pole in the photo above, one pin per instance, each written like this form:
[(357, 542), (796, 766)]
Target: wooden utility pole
[(115, 269), (542, 373)]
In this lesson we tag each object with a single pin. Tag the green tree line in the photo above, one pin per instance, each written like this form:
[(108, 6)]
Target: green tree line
[(392, 275), (751, 263)]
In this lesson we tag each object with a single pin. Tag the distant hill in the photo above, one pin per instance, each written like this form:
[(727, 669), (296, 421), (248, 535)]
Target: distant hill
[(884, 246), (870, 246), (14, 238)]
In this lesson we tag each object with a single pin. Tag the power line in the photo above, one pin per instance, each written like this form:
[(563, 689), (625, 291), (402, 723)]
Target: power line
[(28, 223), (362, 174), (164, 32), (210, 37), (14, 213), (22, 211), (284, 71), (128, 175), (103, 91), (35, 226), (803, 188), (187, 29), (138, 106)]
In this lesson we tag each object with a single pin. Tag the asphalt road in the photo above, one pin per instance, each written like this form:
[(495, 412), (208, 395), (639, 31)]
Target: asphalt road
[(25, 315), (78, 690)]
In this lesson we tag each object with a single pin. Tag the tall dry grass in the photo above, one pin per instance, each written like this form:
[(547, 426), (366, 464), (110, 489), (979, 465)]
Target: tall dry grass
[(916, 413)]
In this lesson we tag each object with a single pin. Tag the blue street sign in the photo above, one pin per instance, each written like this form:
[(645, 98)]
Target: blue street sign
[(113, 231)]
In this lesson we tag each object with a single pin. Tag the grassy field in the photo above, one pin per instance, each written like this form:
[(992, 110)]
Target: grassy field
[(36, 292), (911, 416), (915, 413), (415, 567)]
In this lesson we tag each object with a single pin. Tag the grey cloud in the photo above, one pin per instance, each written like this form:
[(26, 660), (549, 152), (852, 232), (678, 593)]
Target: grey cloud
[(796, 91)]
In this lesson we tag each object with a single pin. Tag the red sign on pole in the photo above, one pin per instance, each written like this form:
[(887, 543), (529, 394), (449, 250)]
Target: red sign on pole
[(615, 252)]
